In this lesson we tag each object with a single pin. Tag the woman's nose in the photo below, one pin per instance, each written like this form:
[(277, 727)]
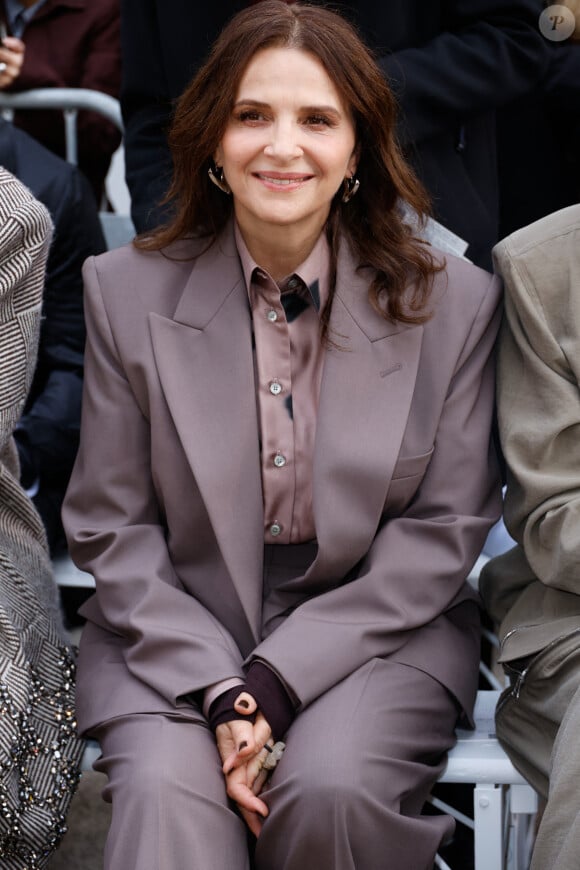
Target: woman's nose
[(284, 142)]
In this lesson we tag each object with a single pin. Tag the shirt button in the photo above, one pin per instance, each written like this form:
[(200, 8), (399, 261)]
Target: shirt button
[(272, 316), (279, 460), (275, 388), (293, 283), (275, 529)]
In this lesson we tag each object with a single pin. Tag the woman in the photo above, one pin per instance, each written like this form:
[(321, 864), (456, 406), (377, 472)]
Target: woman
[(284, 477)]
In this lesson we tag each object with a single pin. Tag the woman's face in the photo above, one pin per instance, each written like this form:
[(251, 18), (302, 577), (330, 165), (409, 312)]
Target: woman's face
[(288, 145)]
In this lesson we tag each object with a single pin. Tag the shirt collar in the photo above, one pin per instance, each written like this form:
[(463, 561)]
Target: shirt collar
[(314, 272), (18, 17)]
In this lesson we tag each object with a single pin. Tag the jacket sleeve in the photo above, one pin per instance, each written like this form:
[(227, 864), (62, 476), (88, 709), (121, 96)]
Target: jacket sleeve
[(539, 410), (418, 561), (115, 531), (490, 53)]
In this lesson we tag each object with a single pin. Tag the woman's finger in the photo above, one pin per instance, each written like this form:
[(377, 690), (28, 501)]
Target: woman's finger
[(262, 731), (241, 794), (260, 781), (252, 820), (235, 742), (245, 703)]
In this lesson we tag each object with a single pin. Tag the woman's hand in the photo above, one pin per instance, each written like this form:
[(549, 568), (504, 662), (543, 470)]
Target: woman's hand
[(252, 739), (241, 747), (243, 784), (11, 59)]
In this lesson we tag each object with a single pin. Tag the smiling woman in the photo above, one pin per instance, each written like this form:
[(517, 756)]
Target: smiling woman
[(284, 477), (284, 154)]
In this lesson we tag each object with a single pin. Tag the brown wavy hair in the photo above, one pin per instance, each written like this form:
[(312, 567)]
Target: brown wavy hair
[(372, 222)]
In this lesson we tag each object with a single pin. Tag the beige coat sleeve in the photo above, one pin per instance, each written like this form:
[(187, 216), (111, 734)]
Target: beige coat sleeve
[(539, 398)]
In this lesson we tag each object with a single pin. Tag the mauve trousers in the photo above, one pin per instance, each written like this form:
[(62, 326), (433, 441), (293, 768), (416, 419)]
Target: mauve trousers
[(348, 792)]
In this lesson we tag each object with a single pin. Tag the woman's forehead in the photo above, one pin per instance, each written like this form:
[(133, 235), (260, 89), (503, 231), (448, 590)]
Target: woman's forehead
[(289, 72)]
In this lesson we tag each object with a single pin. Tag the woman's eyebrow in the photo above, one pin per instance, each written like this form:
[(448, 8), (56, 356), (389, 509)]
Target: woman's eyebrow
[(249, 102), (258, 104)]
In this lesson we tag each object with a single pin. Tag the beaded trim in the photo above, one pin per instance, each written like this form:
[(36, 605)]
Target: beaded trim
[(40, 750), (40, 756)]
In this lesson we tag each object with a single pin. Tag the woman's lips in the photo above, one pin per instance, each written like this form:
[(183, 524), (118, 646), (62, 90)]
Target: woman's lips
[(282, 179)]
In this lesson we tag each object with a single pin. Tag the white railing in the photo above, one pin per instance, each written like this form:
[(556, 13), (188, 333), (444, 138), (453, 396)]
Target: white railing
[(69, 101)]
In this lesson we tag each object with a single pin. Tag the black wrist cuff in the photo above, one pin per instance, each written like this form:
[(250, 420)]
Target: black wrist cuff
[(222, 709), (271, 697)]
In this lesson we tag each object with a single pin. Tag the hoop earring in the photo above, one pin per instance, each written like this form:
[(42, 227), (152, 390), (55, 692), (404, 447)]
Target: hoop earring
[(349, 188), (216, 176)]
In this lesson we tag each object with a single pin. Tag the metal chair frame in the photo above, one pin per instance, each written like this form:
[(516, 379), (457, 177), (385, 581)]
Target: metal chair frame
[(69, 101)]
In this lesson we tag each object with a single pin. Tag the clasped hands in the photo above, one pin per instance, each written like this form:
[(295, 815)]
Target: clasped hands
[(241, 746)]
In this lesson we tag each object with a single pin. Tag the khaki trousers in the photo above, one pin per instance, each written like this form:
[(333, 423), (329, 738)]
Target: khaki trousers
[(538, 723), (347, 794)]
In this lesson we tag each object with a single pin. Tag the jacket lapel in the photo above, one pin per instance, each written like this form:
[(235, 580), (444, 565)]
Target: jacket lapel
[(365, 398), (205, 364)]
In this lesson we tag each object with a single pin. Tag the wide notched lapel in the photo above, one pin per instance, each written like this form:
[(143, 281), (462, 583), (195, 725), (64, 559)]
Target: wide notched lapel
[(365, 397), (205, 364)]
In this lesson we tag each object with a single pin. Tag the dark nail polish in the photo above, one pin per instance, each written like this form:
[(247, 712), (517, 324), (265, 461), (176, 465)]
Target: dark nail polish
[(243, 703), (242, 745)]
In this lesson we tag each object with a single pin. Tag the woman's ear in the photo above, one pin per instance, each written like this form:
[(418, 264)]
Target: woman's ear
[(353, 162), (217, 157)]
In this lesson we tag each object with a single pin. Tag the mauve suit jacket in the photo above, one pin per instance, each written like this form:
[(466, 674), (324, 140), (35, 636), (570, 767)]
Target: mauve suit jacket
[(165, 503)]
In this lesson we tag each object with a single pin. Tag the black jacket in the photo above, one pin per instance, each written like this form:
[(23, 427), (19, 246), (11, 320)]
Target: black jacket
[(451, 63), (47, 435)]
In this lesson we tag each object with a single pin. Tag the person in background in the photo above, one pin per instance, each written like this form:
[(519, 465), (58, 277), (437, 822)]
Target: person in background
[(540, 130), (285, 475), (450, 63), (65, 44), (47, 432), (533, 591), (39, 747)]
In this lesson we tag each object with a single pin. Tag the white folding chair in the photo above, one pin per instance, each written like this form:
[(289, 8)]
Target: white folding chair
[(504, 804)]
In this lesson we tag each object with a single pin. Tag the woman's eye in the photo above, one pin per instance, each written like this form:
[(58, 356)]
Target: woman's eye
[(249, 116), (318, 121)]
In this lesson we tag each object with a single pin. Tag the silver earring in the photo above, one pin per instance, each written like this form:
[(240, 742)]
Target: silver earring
[(217, 177), (349, 188)]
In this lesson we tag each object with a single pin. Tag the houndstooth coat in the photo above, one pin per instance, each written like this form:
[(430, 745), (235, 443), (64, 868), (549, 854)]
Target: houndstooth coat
[(39, 748)]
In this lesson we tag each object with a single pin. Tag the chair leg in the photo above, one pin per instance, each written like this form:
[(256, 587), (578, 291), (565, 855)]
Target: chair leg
[(488, 818), (523, 809)]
